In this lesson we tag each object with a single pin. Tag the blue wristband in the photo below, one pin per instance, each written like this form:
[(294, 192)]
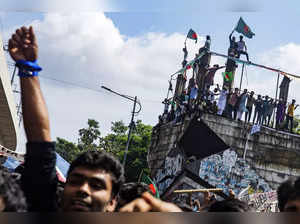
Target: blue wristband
[(28, 68), (28, 65)]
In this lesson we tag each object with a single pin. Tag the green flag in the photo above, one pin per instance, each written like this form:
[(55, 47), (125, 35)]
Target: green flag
[(147, 180), (228, 76), (242, 28), (192, 35)]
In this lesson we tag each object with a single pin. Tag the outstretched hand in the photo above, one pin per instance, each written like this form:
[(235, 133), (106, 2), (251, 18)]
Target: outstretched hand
[(149, 203), (22, 45)]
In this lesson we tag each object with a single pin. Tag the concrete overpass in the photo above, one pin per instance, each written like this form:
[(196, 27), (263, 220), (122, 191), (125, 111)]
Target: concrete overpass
[(8, 114)]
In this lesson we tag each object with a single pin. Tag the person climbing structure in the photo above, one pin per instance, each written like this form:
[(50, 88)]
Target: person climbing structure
[(184, 62), (209, 78), (242, 48), (232, 50)]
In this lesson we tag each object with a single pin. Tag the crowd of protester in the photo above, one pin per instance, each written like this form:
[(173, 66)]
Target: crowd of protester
[(95, 179), (233, 104)]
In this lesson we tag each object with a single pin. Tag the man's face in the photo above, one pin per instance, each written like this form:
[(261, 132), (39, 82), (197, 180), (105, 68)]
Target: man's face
[(88, 190), (292, 206)]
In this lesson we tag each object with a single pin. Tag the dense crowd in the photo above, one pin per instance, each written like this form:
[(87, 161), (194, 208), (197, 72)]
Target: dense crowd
[(95, 179), (232, 104)]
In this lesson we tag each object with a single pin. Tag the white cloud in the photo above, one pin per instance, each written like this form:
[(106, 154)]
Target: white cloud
[(88, 49)]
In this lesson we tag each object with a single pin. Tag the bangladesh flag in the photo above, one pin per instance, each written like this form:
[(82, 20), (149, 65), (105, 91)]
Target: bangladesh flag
[(147, 180), (192, 35), (228, 77), (242, 28)]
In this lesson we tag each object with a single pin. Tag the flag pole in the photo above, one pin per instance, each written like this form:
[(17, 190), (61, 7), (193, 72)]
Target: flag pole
[(242, 76)]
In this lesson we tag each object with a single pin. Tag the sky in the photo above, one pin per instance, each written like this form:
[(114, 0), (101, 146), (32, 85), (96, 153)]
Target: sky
[(134, 46)]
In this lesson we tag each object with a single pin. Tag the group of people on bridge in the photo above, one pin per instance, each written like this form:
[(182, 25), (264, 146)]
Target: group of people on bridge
[(231, 103)]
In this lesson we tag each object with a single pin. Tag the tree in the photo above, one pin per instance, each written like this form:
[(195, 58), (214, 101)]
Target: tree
[(137, 153), (115, 143), (66, 149), (89, 138)]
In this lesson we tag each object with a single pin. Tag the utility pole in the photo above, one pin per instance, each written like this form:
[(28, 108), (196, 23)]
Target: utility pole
[(129, 133), (131, 125)]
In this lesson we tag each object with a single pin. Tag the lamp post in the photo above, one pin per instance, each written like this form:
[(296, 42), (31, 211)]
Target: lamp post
[(131, 125)]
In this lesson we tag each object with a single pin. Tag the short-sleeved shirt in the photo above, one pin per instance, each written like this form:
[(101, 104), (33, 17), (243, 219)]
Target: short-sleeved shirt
[(241, 45), (233, 99), (207, 44), (291, 110), (258, 104), (250, 101)]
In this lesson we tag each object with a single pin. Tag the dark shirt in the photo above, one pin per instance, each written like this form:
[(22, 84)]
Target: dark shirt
[(258, 105), (233, 44), (39, 180)]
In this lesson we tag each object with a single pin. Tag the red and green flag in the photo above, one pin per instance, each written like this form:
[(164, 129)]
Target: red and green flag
[(147, 180), (228, 76), (244, 29), (192, 35)]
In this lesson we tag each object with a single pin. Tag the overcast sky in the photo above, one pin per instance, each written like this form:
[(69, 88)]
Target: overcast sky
[(133, 48)]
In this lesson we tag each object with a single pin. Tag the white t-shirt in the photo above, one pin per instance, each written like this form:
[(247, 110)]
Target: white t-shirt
[(241, 45)]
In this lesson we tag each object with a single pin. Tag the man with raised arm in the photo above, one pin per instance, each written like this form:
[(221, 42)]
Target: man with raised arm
[(94, 178)]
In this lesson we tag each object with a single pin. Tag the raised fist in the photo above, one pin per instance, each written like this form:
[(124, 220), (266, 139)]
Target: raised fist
[(22, 45)]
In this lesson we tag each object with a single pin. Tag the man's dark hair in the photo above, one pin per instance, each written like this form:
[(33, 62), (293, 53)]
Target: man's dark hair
[(229, 205), (130, 192), (288, 190), (11, 193), (103, 161)]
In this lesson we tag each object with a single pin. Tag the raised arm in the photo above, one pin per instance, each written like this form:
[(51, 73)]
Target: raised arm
[(38, 179), (23, 46), (221, 67), (230, 35)]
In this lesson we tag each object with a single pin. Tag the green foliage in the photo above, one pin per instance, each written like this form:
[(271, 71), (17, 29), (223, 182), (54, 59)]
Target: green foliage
[(297, 124), (67, 150), (115, 143)]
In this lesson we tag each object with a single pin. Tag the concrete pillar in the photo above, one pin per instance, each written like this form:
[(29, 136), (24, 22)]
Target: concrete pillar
[(180, 85), (203, 66)]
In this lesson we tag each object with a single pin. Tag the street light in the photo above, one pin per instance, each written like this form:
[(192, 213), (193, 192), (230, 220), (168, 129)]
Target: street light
[(131, 125)]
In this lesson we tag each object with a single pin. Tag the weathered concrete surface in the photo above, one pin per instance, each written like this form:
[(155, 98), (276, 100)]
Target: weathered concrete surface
[(275, 156), (8, 114)]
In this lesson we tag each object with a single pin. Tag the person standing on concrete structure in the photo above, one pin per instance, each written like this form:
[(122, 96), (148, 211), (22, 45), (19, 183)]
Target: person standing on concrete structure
[(249, 106), (242, 48), (290, 115), (258, 109), (265, 106), (269, 112), (232, 50), (207, 43), (242, 105), (222, 100), (232, 103)]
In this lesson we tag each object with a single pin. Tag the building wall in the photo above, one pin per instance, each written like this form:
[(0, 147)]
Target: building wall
[(272, 156), (8, 114)]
